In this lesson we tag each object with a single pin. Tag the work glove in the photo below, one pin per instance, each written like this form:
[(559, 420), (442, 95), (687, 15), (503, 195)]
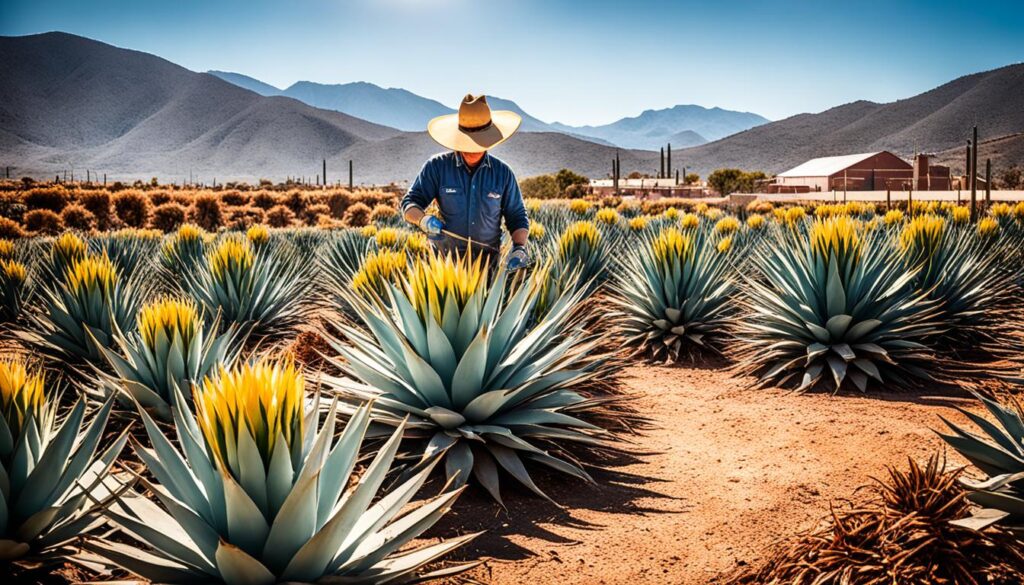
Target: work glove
[(517, 258), (431, 225)]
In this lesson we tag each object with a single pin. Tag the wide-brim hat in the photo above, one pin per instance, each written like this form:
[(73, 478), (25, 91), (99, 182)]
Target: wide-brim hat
[(475, 128)]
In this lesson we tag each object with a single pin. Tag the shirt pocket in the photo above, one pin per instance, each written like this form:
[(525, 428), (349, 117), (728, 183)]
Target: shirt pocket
[(452, 202)]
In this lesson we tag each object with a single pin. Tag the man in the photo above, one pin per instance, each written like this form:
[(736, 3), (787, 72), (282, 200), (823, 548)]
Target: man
[(474, 190)]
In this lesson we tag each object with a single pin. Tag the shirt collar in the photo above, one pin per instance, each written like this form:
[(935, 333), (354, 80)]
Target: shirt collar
[(484, 162)]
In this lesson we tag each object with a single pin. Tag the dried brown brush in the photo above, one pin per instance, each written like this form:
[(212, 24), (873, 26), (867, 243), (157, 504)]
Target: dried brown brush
[(903, 535)]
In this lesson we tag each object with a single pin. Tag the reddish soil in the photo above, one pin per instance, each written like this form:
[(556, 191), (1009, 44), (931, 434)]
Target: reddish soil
[(723, 473)]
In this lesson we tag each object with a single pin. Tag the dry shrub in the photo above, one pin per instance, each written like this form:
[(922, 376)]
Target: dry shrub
[(169, 216), (184, 198), (132, 208), (77, 217), (53, 198), (611, 201), (311, 215), (358, 215), (903, 535), (207, 212), (10, 229), (234, 198), (100, 206), (158, 198), (43, 222), (383, 212), (660, 205), (11, 205), (244, 216), (307, 349), (264, 199), (280, 216), (576, 191), (338, 202), (296, 201)]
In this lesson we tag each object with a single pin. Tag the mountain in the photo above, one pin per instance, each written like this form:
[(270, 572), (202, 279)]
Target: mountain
[(655, 128), (250, 83), (71, 102), (393, 107), (686, 138), (933, 121)]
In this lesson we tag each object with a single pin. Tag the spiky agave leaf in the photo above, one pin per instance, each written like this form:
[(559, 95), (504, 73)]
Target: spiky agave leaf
[(14, 289), (184, 250), (835, 304), (174, 347), (80, 312), (673, 293), (975, 288), (481, 381), (256, 493), (131, 250), (581, 258), (264, 292), (51, 470), (998, 451)]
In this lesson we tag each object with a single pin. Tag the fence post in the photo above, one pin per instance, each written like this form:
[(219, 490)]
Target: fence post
[(988, 183), (888, 199)]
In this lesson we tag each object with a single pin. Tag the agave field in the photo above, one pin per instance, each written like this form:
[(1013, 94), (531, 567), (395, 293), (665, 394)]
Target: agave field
[(241, 403)]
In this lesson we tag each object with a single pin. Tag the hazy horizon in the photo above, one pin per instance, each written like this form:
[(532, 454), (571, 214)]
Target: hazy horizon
[(579, 63)]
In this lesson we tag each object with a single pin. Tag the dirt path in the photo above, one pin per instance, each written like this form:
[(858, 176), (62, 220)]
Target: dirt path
[(729, 471)]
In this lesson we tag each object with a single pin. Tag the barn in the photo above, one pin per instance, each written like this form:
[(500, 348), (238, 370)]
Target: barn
[(868, 171)]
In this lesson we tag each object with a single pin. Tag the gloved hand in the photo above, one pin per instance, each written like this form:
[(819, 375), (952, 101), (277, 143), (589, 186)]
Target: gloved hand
[(431, 225), (517, 258)]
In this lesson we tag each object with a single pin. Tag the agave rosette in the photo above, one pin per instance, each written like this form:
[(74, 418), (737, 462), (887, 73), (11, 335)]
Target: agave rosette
[(673, 294), (183, 251), (52, 472), (255, 493), (173, 348), (14, 287), (998, 451), (81, 312), (263, 291), (580, 261), (836, 304), (972, 282), (479, 379)]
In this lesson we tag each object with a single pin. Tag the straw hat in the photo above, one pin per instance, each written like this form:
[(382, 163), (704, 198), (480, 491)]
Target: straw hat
[(475, 128)]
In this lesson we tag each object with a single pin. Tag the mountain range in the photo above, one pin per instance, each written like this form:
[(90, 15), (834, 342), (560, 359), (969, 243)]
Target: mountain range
[(934, 121), (68, 102), (682, 126)]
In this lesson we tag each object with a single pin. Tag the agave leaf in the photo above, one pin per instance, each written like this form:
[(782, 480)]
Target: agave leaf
[(46, 474), (468, 382), (155, 569), (238, 568), (458, 462), (486, 472), (247, 528), (508, 459)]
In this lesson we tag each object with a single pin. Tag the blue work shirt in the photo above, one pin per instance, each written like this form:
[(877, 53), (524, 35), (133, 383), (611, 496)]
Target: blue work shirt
[(472, 204)]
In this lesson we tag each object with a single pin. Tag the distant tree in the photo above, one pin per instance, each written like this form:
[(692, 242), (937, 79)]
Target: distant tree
[(566, 178), (692, 179), (576, 191), (540, 187), (726, 181), (1012, 178), (638, 175), (153, 182)]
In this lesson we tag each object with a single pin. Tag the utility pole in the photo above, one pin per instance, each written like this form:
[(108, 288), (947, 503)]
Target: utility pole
[(661, 173), (988, 183), (972, 178), (325, 172), (668, 162), (351, 181)]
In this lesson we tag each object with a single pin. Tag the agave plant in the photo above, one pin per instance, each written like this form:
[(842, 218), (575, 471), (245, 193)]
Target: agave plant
[(999, 453), (183, 251), (13, 289), (81, 312), (67, 249), (51, 471), (581, 261), (975, 290), (131, 250), (264, 292), (459, 358), (256, 494), (836, 304), (173, 348), (673, 294), (379, 268)]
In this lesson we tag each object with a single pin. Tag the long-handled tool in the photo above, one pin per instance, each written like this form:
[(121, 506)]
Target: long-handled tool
[(472, 243)]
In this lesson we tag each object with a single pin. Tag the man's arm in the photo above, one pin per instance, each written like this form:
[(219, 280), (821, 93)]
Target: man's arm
[(514, 212), (419, 196)]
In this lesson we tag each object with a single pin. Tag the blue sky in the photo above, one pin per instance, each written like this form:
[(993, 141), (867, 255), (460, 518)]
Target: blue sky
[(585, 62)]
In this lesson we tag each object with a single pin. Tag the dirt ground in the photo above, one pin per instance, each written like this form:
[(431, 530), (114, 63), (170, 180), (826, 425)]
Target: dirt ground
[(724, 472)]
